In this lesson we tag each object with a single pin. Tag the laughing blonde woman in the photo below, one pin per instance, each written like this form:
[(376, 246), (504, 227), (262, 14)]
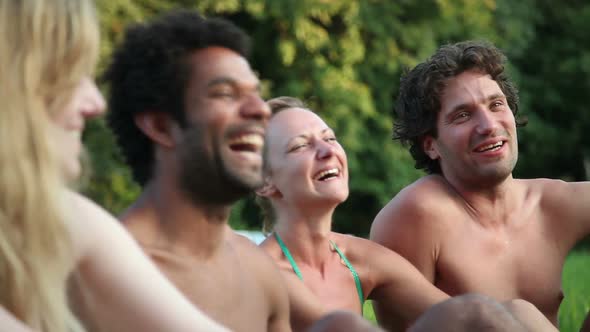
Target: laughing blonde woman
[(50, 235)]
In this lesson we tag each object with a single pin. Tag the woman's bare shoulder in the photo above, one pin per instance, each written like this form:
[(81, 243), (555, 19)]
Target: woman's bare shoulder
[(89, 224)]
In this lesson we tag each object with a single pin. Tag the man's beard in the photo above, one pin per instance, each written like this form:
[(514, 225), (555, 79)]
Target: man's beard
[(483, 179), (204, 176)]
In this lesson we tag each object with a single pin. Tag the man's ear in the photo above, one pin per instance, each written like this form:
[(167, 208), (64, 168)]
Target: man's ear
[(430, 148), (268, 189), (158, 126)]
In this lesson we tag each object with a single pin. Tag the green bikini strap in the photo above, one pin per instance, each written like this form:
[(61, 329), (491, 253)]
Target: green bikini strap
[(357, 280), (288, 255)]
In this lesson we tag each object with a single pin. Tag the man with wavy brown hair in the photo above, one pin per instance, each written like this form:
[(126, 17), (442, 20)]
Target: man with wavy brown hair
[(469, 226)]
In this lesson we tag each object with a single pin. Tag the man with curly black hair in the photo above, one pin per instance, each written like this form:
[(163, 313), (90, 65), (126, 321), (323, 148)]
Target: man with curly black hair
[(469, 226), (186, 110)]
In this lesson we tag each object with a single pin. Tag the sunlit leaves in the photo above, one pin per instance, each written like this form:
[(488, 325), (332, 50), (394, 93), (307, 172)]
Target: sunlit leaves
[(345, 58)]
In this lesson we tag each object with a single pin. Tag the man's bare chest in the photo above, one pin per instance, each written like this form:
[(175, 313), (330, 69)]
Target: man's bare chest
[(226, 291), (505, 264)]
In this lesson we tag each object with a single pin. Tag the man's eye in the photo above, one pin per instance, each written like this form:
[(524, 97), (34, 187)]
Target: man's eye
[(224, 94), (462, 116), (496, 104)]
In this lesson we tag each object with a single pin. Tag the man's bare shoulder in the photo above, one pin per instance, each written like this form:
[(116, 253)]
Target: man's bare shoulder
[(141, 221), (258, 261), (557, 199), (272, 249), (256, 257), (551, 191), (427, 195), (420, 207), (565, 206), (267, 273), (547, 186)]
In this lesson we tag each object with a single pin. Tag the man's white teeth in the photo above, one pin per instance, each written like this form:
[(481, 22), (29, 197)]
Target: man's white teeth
[(253, 140), (491, 146), (326, 173)]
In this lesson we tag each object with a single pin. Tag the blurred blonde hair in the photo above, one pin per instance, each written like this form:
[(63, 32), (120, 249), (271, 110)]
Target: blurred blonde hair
[(48, 46), (276, 105)]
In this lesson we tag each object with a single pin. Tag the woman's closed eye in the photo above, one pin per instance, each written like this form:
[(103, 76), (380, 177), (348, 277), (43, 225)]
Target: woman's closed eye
[(297, 147), (331, 139)]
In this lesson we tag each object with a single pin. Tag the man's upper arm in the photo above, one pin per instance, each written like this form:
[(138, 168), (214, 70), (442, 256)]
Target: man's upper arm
[(568, 205), (407, 228), (274, 284), (581, 196)]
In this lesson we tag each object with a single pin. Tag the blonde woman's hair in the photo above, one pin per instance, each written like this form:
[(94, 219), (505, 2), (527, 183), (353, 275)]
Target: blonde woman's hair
[(268, 213), (48, 46)]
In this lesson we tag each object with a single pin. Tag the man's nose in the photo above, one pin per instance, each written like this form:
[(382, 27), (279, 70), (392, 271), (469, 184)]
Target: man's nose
[(255, 108), (487, 123)]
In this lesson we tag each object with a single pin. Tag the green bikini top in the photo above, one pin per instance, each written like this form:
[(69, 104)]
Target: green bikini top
[(355, 275)]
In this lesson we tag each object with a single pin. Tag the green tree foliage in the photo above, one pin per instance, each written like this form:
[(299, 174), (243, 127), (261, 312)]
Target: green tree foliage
[(555, 79), (345, 58)]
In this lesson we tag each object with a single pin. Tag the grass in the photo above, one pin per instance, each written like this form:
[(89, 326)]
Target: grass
[(576, 287), (368, 312)]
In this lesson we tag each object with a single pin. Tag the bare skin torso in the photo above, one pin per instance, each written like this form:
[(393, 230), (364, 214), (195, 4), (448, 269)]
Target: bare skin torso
[(506, 263), (225, 288), (518, 256), (385, 276), (231, 286), (333, 284)]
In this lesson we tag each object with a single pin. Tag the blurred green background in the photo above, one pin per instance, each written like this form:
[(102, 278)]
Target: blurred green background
[(345, 58)]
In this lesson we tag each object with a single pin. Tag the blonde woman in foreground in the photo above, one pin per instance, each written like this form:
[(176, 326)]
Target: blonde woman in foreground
[(51, 237)]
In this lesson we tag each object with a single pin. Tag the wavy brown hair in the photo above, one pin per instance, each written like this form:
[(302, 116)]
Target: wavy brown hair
[(418, 103)]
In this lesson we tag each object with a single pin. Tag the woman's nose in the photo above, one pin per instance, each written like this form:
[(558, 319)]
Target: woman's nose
[(93, 103)]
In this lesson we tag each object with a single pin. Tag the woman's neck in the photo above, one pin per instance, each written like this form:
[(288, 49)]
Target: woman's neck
[(307, 238)]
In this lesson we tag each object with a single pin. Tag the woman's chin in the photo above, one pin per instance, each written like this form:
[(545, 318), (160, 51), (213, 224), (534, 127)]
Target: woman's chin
[(336, 198), (71, 170)]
